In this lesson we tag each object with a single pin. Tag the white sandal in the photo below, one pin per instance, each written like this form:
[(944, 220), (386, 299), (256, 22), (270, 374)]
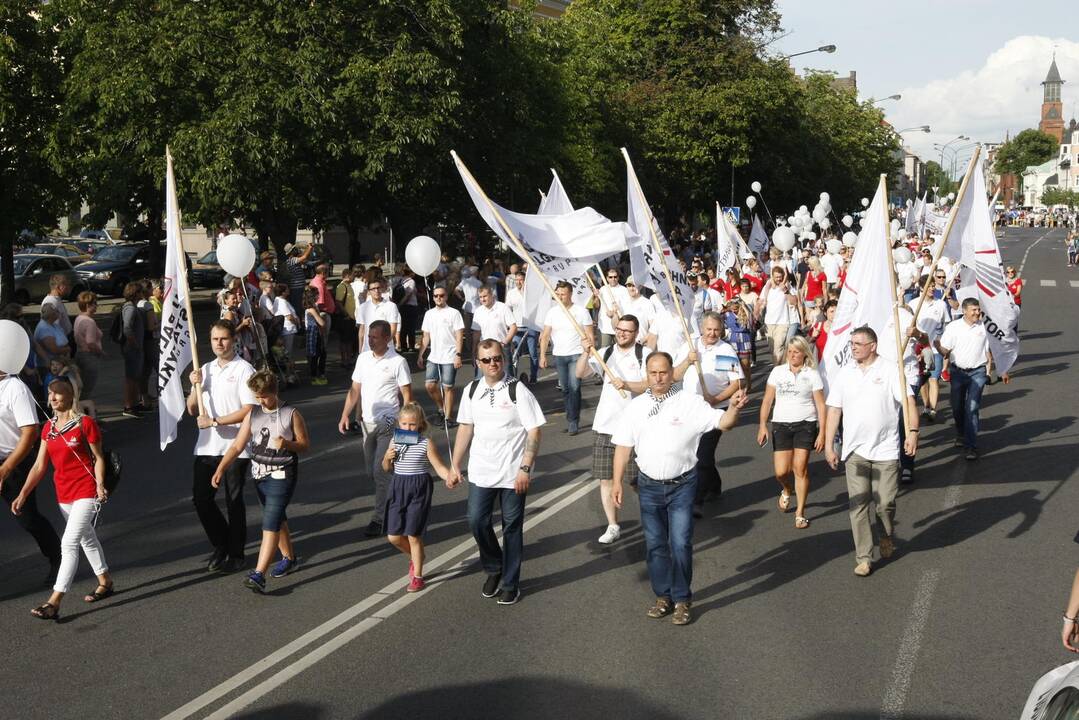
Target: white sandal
[(801, 523), (784, 501)]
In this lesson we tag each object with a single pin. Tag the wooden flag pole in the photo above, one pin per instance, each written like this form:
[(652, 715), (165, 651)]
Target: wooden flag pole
[(899, 346), (947, 232), (533, 267), (181, 273)]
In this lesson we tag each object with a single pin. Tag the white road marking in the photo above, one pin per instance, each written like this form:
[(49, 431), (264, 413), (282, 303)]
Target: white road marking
[(1074, 283), (1023, 263), (1049, 283), (894, 699), (343, 637)]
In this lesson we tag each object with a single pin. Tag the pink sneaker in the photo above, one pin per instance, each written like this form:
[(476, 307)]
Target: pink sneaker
[(416, 584)]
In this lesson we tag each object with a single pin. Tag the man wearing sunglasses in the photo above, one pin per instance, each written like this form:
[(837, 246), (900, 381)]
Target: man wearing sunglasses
[(504, 418), (444, 333), (614, 299), (377, 308)]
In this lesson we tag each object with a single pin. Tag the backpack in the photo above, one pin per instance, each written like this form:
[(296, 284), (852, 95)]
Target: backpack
[(512, 386), (638, 350), (116, 325), (398, 294)]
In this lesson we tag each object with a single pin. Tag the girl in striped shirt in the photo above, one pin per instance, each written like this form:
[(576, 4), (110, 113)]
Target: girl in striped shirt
[(411, 490)]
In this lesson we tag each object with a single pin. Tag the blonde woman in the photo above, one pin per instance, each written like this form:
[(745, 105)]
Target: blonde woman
[(797, 393)]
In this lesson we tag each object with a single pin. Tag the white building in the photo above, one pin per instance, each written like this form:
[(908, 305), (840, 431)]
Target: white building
[(1061, 171)]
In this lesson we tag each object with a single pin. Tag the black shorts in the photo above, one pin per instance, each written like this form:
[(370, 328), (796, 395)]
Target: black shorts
[(794, 436)]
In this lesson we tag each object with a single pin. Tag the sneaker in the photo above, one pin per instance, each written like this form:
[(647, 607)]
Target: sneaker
[(232, 565), (509, 597), (661, 608), (959, 442), (613, 533), (946, 376), (415, 584), (863, 569), (283, 567), (490, 585), (217, 561), (373, 529), (972, 454), (887, 546), (932, 416), (130, 413), (256, 581), (682, 614), (438, 419)]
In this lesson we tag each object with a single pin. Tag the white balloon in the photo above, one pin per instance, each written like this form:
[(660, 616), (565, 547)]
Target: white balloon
[(751, 202), (827, 207), (819, 214), (422, 255), (783, 238), (865, 202), (951, 196), (803, 210), (236, 254), (833, 246), (902, 255), (756, 186), (895, 225), (850, 238), (809, 235), (847, 221), (824, 223), (825, 197), (909, 202), (14, 347)]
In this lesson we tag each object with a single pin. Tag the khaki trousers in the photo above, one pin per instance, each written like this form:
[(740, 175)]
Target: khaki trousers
[(777, 335), (870, 482)]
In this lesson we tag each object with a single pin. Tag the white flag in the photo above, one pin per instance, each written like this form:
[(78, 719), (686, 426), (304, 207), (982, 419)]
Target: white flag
[(758, 238), (649, 269), (556, 201), (537, 300), (175, 343), (865, 298), (973, 243), (726, 250)]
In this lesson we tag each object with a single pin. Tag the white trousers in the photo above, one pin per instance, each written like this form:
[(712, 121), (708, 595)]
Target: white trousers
[(79, 531)]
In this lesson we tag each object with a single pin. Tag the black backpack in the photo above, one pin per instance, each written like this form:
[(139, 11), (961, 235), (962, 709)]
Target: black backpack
[(512, 386), (638, 350), (116, 325)]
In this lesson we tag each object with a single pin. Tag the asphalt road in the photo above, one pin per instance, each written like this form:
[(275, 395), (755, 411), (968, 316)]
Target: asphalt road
[(958, 624)]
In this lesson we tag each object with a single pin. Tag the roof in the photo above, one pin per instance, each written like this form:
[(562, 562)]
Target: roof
[(1054, 75)]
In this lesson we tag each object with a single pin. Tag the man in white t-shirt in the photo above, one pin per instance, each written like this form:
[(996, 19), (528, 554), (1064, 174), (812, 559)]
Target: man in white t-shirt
[(527, 338), (226, 403), (444, 333), (468, 289), (375, 308), (967, 342), (614, 303), (667, 333), (59, 288), (379, 383), (868, 396), (723, 377), (936, 313), (831, 264), (19, 435), (493, 320), (664, 426), (560, 330), (626, 359), (641, 308), (504, 419), (702, 303)]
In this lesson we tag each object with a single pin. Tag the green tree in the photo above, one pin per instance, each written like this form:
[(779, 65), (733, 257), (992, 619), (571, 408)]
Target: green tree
[(32, 193), (1030, 147), (937, 177), (1059, 196)]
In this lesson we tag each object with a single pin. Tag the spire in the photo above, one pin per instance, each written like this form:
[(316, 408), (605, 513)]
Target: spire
[(1054, 75)]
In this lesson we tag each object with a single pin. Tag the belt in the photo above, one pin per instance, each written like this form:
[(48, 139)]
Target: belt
[(684, 477), (970, 370)]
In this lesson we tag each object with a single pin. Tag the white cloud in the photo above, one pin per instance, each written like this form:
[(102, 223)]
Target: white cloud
[(1003, 96)]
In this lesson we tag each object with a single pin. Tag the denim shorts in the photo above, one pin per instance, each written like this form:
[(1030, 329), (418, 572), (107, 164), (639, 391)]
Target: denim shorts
[(444, 373), (938, 366), (274, 494)]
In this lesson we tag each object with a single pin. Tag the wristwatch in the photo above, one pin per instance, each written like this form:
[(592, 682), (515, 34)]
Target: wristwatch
[(213, 422), (526, 468)]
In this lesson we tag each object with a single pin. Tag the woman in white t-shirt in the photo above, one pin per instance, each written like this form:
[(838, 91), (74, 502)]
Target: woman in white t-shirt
[(797, 391)]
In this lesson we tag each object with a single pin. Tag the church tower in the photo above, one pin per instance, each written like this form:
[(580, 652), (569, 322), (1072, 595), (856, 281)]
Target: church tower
[(1052, 122)]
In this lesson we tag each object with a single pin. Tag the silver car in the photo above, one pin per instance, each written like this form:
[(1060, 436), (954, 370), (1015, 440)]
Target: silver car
[(32, 273)]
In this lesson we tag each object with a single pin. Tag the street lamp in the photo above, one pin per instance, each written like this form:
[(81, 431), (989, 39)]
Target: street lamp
[(874, 101), (919, 128), (945, 147), (956, 151), (822, 48)]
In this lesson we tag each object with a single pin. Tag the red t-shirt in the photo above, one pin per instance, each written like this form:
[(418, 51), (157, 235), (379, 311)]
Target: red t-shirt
[(822, 339), (757, 281), (814, 286), (718, 285), (72, 461), (1015, 287), (842, 277)]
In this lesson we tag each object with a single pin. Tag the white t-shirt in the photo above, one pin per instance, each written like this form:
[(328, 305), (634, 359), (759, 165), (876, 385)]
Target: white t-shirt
[(831, 264), (359, 289), (409, 286), (702, 302), (564, 337), (442, 324), (515, 301), (642, 308), (719, 363), (886, 345), (369, 312), (969, 344), (871, 401), (284, 308), (777, 310), (794, 394), (499, 430), (64, 322), (224, 391), (933, 317), (622, 363), (380, 380), (666, 442), (470, 291), (17, 410), (612, 297), (670, 335), (492, 322)]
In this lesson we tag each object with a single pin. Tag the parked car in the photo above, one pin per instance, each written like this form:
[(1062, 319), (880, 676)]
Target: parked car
[(89, 246), (32, 275), (206, 272), (115, 266), (73, 253), (101, 234)]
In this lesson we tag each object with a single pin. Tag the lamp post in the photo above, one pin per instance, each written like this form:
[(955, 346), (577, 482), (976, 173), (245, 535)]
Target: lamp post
[(919, 128), (823, 48), (874, 101), (955, 155)]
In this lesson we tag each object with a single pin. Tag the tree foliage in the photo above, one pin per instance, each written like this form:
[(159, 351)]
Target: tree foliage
[(1030, 147), (1052, 196), (937, 177)]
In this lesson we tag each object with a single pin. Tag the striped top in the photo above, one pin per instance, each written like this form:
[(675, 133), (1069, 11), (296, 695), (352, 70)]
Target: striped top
[(411, 459)]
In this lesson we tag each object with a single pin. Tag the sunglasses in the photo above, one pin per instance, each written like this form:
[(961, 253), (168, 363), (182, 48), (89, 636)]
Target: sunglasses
[(439, 295), (496, 359)]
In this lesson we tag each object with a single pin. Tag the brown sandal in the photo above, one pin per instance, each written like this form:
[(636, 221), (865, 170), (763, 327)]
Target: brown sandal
[(48, 611), (100, 593), (660, 609)]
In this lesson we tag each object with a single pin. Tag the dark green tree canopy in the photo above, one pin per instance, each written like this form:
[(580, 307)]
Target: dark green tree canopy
[(1030, 147)]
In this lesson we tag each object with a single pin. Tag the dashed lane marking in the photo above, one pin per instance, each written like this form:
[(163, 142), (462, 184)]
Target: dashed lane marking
[(1049, 283)]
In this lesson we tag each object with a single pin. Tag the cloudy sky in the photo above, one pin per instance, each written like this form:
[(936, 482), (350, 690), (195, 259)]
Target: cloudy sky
[(963, 67)]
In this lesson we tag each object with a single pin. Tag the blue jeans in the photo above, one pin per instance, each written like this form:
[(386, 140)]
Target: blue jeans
[(571, 387), (667, 519), (531, 340), (494, 559), (966, 390)]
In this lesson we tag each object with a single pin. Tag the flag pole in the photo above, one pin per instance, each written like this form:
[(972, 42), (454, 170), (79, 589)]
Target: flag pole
[(947, 232), (899, 346), (181, 276), (532, 266), (667, 273)]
